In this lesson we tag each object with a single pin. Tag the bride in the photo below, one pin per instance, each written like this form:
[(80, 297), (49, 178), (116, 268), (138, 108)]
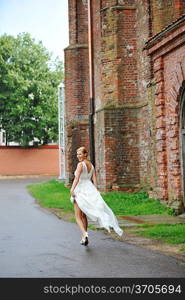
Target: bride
[(87, 199)]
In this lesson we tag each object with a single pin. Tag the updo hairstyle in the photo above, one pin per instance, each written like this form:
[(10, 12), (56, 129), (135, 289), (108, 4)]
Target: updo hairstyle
[(84, 150)]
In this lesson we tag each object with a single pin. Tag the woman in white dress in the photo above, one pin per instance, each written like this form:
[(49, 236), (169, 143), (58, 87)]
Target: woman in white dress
[(87, 199)]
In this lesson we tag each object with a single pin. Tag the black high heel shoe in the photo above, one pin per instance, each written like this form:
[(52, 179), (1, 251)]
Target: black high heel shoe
[(86, 240)]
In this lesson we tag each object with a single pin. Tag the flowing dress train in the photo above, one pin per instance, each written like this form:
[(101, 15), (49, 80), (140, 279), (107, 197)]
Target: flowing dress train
[(92, 204)]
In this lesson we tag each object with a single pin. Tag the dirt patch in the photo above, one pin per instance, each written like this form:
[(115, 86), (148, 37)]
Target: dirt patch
[(152, 244), (62, 214)]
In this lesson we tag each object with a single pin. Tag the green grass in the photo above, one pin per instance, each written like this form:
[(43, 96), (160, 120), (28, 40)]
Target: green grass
[(53, 194), (183, 248), (169, 233), (135, 204)]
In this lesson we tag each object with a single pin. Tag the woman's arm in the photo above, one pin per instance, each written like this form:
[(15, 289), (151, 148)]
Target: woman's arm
[(77, 176), (94, 179)]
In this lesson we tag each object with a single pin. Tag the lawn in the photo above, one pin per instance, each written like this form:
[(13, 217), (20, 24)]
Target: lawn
[(169, 233), (135, 204), (53, 194)]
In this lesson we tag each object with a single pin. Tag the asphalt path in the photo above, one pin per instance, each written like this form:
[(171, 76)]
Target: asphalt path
[(35, 243)]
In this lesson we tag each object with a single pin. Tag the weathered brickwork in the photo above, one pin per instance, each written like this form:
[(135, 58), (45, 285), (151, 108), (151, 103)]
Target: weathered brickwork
[(163, 12), (76, 85), (168, 55), (144, 127), (97, 43), (118, 55), (137, 45), (121, 149), (174, 81)]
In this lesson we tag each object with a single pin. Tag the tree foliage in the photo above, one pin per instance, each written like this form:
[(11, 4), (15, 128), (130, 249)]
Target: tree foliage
[(28, 90)]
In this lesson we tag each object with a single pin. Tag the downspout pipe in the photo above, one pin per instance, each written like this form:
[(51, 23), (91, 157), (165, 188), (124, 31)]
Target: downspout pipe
[(91, 83)]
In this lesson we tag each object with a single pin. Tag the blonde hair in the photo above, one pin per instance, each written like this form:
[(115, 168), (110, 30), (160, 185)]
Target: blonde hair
[(83, 149)]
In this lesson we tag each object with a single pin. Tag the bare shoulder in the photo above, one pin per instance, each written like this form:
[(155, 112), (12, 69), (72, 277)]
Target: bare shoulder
[(88, 163), (79, 165)]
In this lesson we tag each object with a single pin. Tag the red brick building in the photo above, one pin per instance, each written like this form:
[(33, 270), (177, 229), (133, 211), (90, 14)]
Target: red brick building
[(125, 94)]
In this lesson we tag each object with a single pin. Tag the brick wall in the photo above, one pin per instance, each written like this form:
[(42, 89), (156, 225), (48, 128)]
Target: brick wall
[(76, 85), (144, 104), (163, 12), (131, 148), (29, 161), (115, 80), (121, 149), (167, 52), (173, 103)]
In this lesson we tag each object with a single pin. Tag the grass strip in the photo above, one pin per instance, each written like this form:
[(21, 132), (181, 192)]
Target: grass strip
[(169, 233), (53, 194)]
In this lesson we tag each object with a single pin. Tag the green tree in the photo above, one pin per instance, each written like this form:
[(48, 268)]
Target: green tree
[(28, 90)]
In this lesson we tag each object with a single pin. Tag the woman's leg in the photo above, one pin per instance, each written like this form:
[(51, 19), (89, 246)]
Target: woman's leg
[(78, 216), (84, 220)]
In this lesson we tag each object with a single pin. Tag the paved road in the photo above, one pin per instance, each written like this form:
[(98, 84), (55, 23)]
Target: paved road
[(35, 243)]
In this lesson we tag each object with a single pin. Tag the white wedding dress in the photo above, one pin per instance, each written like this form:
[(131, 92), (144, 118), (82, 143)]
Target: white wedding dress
[(92, 204)]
